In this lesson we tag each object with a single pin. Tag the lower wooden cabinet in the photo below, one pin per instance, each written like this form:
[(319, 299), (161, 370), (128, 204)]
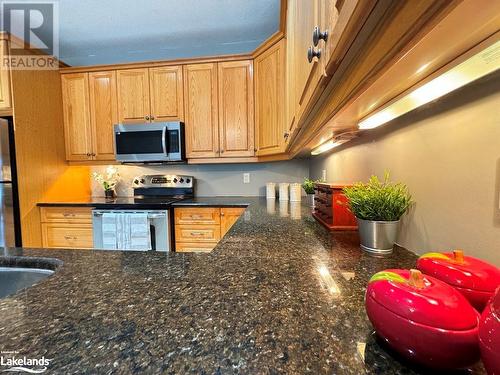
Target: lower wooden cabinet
[(66, 227), (67, 236), (199, 229)]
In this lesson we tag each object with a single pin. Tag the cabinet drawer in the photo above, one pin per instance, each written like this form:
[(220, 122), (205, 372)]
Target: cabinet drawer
[(194, 247), (197, 233), (66, 236), (196, 215), (66, 215)]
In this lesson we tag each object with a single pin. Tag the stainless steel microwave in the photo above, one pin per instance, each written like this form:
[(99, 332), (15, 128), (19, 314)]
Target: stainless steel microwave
[(143, 143)]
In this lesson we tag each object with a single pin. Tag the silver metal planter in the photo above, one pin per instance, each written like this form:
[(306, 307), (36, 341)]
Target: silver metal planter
[(378, 237), (310, 199)]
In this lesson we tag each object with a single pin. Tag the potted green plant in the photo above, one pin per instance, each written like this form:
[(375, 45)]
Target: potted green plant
[(378, 207), (108, 181), (308, 186)]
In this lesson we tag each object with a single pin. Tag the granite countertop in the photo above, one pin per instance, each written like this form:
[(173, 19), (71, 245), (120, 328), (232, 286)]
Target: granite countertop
[(146, 203), (278, 295)]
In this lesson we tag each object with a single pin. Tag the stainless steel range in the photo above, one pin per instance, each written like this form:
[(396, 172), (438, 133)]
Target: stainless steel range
[(142, 222)]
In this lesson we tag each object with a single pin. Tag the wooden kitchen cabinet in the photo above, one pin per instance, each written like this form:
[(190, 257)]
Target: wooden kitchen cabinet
[(229, 216), (150, 95), (103, 113), (76, 111), (90, 111), (5, 94), (201, 111), (133, 96), (269, 100), (165, 87), (305, 76), (236, 109), (66, 227), (199, 229)]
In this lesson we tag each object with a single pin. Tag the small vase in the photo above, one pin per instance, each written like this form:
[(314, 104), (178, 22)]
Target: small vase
[(110, 194)]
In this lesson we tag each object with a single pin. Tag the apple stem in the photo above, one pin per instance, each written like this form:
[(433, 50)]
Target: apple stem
[(416, 279), (458, 255)]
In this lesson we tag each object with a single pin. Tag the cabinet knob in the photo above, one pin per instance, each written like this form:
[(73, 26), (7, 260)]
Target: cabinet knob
[(152, 117), (312, 53), (89, 154), (318, 35), (286, 135), (221, 151), (147, 118)]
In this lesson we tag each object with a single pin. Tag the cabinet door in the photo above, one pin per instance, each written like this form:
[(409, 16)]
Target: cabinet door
[(133, 96), (77, 128), (200, 110), (103, 113), (269, 94), (290, 100), (236, 109), (4, 78), (307, 74), (229, 216), (166, 93)]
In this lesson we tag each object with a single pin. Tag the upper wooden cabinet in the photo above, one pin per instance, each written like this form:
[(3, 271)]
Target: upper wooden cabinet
[(201, 110), (269, 96), (90, 111), (77, 128), (236, 109), (165, 84), (133, 96), (150, 95), (5, 97), (103, 113)]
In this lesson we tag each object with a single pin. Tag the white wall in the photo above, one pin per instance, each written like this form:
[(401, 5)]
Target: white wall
[(448, 154), (217, 179)]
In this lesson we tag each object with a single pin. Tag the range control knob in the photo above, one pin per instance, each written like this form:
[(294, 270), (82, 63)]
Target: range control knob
[(142, 181), (136, 181), (181, 180), (188, 180), (175, 180)]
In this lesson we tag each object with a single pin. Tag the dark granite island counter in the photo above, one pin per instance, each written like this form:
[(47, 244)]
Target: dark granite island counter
[(278, 295)]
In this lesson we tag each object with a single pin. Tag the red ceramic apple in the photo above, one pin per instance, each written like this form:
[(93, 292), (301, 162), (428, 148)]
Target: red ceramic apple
[(474, 278), (489, 335), (424, 319)]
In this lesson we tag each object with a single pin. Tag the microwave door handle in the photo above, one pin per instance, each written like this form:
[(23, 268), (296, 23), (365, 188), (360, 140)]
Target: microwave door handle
[(164, 141)]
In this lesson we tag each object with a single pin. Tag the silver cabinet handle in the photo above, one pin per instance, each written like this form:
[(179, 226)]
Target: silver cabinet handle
[(312, 53), (318, 35)]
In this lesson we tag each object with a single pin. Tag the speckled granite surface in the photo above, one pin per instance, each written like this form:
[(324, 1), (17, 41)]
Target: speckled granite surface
[(279, 295)]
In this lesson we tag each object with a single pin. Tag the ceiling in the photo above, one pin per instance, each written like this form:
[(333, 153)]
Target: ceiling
[(93, 32), (120, 31)]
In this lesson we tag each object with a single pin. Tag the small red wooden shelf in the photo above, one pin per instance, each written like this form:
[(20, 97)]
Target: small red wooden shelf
[(330, 207)]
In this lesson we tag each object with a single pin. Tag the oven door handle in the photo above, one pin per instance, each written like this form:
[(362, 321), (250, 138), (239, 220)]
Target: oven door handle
[(164, 141)]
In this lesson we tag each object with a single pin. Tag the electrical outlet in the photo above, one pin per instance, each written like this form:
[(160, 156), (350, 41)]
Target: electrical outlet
[(323, 175), (246, 178)]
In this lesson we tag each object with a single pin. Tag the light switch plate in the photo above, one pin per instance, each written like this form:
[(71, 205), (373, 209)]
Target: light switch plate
[(246, 178), (323, 175)]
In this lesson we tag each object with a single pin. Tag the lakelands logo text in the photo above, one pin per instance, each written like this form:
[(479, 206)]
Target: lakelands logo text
[(24, 364)]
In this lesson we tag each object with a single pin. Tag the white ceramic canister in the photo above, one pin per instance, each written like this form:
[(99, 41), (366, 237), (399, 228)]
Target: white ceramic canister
[(295, 192), (284, 191), (271, 190)]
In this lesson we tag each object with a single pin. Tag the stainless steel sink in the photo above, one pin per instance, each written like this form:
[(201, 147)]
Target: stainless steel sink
[(13, 279)]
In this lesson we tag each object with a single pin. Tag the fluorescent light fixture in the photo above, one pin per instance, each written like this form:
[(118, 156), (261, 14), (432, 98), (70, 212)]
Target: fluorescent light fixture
[(478, 65), (325, 147)]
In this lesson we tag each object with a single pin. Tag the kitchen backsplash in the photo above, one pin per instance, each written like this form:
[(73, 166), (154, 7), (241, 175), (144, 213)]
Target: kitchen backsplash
[(215, 179)]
